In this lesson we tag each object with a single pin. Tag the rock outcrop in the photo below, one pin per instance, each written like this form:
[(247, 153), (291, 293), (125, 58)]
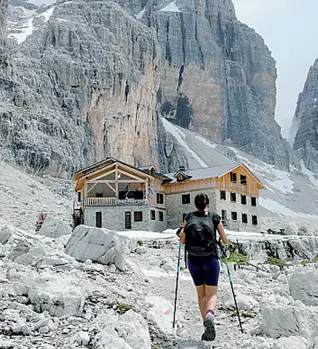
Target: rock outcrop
[(80, 80), (303, 286), (217, 76), (81, 86), (97, 244), (304, 130)]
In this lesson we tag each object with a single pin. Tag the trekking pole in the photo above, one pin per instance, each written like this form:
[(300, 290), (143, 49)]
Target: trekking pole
[(231, 283), (176, 291)]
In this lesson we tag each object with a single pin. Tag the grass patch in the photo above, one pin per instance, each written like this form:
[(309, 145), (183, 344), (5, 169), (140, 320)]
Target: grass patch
[(140, 243), (237, 258), (307, 261), (244, 314), (122, 307), (276, 261)]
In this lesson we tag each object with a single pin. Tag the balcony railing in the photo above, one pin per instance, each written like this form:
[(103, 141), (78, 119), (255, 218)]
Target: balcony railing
[(111, 201)]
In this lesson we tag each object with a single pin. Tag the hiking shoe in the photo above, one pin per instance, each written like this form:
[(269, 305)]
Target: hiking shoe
[(209, 333)]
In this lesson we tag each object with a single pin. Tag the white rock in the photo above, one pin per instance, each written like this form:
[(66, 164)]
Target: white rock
[(290, 343), (130, 332), (31, 256), (287, 320), (54, 227), (160, 313), (22, 279), (21, 328), (141, 250), (5, 233), (83, 338), (44, 329), (303, 286), (61, 294), (99, 245), (4, 344)]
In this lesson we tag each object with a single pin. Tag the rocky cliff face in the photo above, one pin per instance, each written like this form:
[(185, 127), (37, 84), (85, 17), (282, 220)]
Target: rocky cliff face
[(3, 9), (82, 80), (217, 77), (304, 129), (80, 87)]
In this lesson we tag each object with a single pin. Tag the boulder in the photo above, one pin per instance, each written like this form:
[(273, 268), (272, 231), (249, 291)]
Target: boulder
[(281, 320), (290, 343), (129, 331), (5, 233), (303, 286), (97, 244), (54, 227), (61, 294), (160, 313)]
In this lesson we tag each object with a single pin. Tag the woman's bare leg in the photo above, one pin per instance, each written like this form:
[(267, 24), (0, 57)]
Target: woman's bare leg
[(202, 299), (210, 298)]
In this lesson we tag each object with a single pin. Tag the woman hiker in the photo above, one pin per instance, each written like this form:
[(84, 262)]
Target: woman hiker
[(199, 236)]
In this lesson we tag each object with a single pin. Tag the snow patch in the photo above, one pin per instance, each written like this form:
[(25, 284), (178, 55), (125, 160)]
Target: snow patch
[(145, 234), (172, 7), (42, 2), (206, 142), (180, 136), (140, 14), (47, 14), (278, 208), (310, 174), (26, 31)]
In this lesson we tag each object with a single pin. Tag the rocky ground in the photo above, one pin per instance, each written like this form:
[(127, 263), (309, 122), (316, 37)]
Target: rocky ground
[(50, 299), (99, 289)]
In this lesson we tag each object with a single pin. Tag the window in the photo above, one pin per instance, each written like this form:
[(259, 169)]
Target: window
[(234, 216), (233, 177), (254, 220), (186, 198), (99, 195), (243, 199), (253, 201), (224, 215), (98, 219), (159, 198), (222, 194), (244, 217), (138, 216), (233, 197), (153, 215), (243, 179), (160, 216), (79, 196)]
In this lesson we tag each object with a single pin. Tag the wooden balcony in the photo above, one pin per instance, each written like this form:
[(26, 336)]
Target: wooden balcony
[(112, 201)]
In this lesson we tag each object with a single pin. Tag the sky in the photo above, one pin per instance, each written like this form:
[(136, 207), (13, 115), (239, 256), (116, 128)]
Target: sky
[(290, 30)]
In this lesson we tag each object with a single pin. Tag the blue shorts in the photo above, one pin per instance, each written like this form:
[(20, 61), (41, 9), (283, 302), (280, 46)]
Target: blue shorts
[(204, 270)]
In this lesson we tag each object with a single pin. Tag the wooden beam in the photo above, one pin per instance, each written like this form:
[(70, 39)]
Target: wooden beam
[(92, 187), (129, 174), (114, 190), (105, 174), (116, 183)]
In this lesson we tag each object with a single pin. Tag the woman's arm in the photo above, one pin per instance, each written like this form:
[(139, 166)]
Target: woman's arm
[(182, 234), (221, 231)]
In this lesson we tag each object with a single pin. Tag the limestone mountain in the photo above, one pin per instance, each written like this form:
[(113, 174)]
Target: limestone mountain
[(81, 80), (304, 130)]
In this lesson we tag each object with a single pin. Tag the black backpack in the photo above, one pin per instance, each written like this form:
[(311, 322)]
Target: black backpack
[(200, 233)]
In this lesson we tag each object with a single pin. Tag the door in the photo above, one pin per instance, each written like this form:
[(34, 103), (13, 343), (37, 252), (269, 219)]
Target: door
[(127, 220), (98, 219)]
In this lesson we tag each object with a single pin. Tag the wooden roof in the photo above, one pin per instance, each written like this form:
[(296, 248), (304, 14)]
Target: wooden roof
[(212, 172)]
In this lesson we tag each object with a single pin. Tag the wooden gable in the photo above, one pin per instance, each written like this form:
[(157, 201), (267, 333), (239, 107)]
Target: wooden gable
[(240, 179), (107, 171)]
